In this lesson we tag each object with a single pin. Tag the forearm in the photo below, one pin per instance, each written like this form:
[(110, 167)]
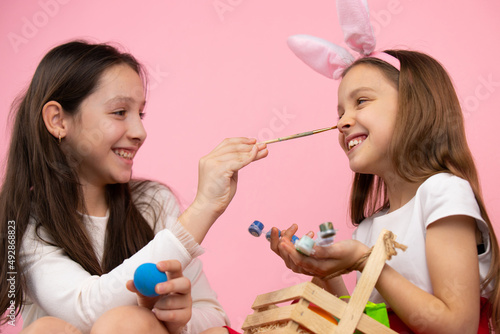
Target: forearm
[(218, 176), (335, 286), (424, 312), (64, 289), (197, 219)]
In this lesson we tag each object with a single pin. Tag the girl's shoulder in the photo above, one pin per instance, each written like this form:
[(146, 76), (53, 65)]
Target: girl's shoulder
[(445, 194), (447, 183)]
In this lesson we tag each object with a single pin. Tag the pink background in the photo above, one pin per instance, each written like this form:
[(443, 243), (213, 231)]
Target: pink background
[(221, 68)]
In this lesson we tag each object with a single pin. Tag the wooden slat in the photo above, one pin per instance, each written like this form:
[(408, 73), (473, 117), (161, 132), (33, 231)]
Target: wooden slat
[(317, 296), (314, 322), (279, 296), (268, 317), (298, 314), (364, 287), (280, 330), (336, 307), (350, 314)]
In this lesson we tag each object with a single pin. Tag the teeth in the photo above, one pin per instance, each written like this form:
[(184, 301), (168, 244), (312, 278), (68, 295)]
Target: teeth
[(124, 154), (354, 142)]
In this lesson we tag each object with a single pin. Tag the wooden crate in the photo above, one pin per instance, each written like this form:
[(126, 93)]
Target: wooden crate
[(271, 318)]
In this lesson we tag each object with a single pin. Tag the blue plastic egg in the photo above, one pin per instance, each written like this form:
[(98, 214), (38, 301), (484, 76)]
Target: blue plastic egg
[(146, 277)]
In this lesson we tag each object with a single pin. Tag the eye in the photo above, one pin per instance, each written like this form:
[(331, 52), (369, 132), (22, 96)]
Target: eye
[(142, 115), (119, 112), (361, 100)]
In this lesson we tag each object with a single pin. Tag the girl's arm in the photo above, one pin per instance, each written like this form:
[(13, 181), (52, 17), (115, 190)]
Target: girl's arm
[(453, 267), (335, 286), (62, 288), (217, 180)]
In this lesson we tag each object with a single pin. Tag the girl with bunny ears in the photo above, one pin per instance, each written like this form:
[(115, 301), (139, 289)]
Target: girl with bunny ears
[(401, 127), (77, 222)]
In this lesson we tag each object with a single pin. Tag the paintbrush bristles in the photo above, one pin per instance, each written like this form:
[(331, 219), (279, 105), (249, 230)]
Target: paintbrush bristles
[(298, 135)]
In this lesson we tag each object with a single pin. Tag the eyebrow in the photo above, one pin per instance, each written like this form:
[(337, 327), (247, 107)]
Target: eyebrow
[(126, 99), (360, 89)]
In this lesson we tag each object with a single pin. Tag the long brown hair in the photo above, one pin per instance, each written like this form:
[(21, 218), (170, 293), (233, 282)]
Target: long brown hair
[(429, 138), (41, 184)]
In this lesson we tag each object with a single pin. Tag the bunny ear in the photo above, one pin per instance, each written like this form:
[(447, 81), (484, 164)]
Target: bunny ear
[(324, 57), (355, 22)]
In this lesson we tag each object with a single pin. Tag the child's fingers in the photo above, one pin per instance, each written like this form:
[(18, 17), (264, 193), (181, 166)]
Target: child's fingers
[(180, 285), (235, 141), (262, 152), (131, 286), (237, 148), (232, 145), (173, 268), (287, 234), (290, 232), (181, 316), (275, 239), (240, 156), (174, 302), (294, 260)]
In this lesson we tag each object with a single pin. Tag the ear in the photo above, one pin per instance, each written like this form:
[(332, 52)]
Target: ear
[(324, 57), (354, 19), (54, 119)]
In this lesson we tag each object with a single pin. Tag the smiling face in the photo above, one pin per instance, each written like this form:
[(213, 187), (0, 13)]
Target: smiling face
[(105, 135), (367, 107)]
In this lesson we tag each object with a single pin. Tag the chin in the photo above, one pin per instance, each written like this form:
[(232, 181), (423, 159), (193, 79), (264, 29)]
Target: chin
[(359, 169), (123, 178)]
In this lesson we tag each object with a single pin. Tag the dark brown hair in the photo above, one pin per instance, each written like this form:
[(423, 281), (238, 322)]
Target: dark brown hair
[(429, 138), (41, 184)]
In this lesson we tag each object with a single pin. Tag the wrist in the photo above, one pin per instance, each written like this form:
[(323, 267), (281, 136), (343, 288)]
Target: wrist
[(202, 206), (363, 254), (197, 219)]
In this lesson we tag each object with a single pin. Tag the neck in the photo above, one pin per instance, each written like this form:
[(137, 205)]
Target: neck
[(399, 191), (95, 200)]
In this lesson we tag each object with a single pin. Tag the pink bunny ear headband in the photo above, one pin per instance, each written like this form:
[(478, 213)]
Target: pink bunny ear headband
[(330, 59)]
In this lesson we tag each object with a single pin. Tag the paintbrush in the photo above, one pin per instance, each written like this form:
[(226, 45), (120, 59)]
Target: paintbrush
[(298, 135)]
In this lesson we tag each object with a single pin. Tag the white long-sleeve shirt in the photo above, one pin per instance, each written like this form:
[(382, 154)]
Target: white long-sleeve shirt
[(60, 287)]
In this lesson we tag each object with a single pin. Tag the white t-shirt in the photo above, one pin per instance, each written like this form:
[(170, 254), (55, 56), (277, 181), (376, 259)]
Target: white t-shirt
[(440, 196), (60, 287)]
